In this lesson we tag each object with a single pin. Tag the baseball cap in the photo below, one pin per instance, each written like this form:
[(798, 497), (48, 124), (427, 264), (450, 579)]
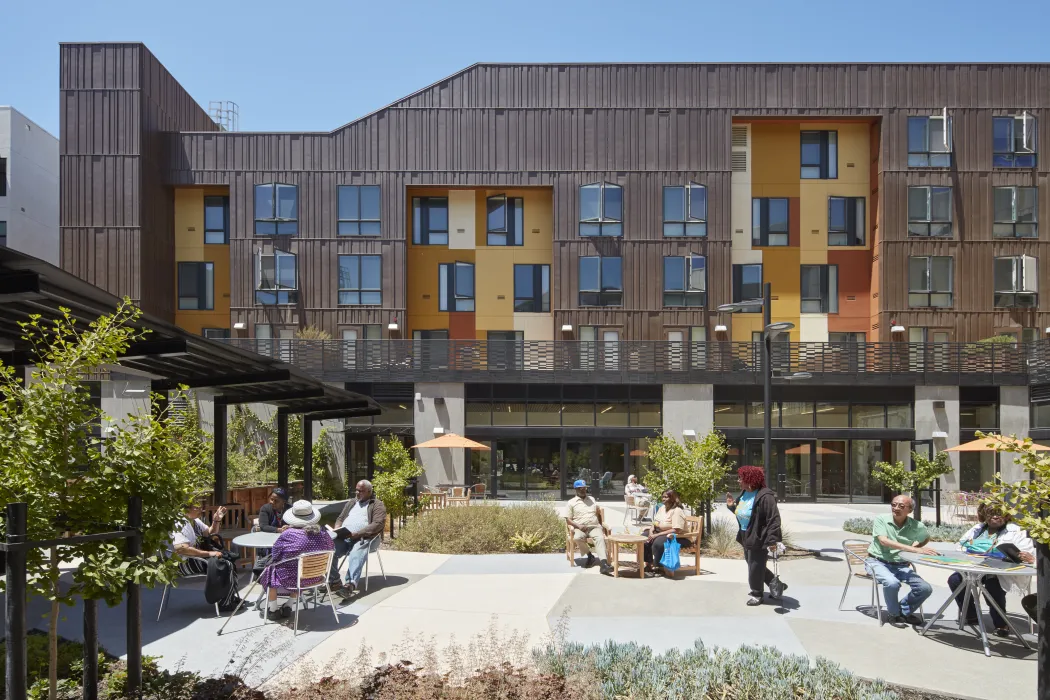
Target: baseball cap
[(579, 483)]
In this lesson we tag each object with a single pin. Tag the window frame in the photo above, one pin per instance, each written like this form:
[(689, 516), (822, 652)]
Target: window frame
[(738, 284), (277, 221), (603, 295), (224, 203), (539, 272), (450, 298), (827, 166), (829, 298), (421, 231), (697, 225), (764, 231), (687, 293), (925, 158), (1010, 158), (604, 225), (360, 290), (282, 295), (930, 292), (1023, 267), (916, 224), (225, 333), (205, 271), (513, 229), (853, 236), (1013, 226), (358, 222)]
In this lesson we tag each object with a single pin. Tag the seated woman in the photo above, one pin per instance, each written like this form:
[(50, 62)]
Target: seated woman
[(303, 536), (993, 529), (670, 518), (638, 491), (195, 541), (271, 515)]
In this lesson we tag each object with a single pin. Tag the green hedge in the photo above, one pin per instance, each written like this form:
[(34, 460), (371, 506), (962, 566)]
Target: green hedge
[(938, 533), (484, 529)]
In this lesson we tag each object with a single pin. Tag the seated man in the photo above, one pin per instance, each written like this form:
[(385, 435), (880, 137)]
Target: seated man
[(582, 516), (364, 516), (892, 534)]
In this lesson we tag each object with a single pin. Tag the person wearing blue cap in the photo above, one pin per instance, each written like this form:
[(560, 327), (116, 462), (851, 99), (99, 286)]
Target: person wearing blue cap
[(585, 520), (271, 515)]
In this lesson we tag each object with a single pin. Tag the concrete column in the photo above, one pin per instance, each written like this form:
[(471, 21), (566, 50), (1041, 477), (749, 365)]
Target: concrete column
[(688, 407), (441, 405), (1014, 419), (931, 418)]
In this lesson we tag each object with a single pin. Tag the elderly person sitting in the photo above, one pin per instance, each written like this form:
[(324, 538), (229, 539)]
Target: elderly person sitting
[(303, 536), (637, 491), (195, 541), (364, 518)]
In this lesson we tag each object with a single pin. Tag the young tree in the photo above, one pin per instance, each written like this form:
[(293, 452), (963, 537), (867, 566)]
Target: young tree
[(77, 481), (395, 469), (899, 478), (693, 469)]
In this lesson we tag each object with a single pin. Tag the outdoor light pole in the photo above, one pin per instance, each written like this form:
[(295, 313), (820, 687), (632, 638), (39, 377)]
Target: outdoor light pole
[(767, 387)]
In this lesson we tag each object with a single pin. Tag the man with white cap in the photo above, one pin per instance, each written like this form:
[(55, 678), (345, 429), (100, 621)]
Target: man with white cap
[(585, 520)]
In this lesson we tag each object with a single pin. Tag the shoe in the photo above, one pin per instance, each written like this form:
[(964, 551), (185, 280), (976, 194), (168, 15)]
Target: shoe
[(590, 561), (346, 589), (1002, 632), (915, 620), (605, 569), (897, 620), (754, 600)]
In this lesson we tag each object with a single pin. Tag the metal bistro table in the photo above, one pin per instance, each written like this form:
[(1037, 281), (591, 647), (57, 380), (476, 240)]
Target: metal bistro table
[(974, 590), (256, 540)]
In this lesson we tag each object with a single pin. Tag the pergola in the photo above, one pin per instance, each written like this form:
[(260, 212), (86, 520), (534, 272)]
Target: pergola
[(170, 357)]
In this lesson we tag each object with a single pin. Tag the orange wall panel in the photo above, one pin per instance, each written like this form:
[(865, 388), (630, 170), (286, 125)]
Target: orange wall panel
[(854, 281), (461, 325)]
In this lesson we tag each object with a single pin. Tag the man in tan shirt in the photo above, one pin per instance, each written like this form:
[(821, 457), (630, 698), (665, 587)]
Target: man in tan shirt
[(582, 516)]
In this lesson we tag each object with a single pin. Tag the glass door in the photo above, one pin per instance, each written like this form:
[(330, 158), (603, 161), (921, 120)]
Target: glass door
[(796, 461), (510, 468), (577, 465), (543, 468), (832, 473), (359, 464), (611, 469)]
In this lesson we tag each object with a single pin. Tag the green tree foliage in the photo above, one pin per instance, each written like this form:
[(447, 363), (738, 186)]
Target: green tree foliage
[(693, 469), (898, 478), (395, 468), (1027, 501)]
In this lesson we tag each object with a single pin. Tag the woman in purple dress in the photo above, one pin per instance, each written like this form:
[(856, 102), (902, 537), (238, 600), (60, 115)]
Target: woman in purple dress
[(303, 536)]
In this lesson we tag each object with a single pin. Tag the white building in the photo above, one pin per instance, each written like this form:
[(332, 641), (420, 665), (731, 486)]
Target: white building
[(28, 186)]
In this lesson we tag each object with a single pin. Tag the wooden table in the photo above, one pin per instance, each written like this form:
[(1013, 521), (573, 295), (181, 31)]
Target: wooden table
[(613, 542)]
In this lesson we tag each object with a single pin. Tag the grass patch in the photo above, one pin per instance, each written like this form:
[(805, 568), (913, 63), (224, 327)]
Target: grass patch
[(938, 533), (484, 529)]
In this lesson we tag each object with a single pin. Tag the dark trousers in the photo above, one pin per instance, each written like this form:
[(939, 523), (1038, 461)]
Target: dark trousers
[(758, 575), (654, 551), (992, 588)]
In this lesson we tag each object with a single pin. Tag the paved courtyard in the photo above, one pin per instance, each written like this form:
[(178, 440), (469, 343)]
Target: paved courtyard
[(437, 598)]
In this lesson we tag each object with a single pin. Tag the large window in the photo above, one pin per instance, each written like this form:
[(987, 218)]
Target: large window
[(1016, 282), (685, 280), (601, 209), (820, 289), (360, 280), (685, 210), (846, 224), (769, 221), (1013, 142), (930, 281), (929, 142), (456, 287), (276, 210), (216, 333), (820, 155), (3, 233), (930, 211), (358, 210), (601, 281), (505, 220), (3, 177), (747, 285), (217, 220), (1016, 212), (532, 288), (430, 220), (276, 279), (196, 286)]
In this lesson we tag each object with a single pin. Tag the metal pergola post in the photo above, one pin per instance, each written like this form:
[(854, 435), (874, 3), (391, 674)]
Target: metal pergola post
[(219, 421), (282, 449), (308, 459)]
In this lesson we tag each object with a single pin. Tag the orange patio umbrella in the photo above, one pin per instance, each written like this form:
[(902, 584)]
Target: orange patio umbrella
[(453, 440), (804, 450), (991, 444)]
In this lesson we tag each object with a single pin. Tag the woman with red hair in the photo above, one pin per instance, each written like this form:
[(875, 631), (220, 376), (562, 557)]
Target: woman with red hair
[(759, 519)]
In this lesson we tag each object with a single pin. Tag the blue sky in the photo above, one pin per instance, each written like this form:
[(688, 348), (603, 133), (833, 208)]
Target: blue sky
[(313, 65)]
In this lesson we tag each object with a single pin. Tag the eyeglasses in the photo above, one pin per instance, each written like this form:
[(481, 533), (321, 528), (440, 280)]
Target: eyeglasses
[(898, 505)]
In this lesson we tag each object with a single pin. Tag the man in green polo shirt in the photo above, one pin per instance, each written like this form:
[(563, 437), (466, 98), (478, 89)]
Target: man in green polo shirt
[(892, 534)]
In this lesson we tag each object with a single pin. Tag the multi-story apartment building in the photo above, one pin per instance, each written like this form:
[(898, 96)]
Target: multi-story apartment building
[(534, 255), (28, 186)]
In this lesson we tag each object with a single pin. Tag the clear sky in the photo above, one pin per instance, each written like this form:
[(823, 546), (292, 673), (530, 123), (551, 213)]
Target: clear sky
[(305, 65)]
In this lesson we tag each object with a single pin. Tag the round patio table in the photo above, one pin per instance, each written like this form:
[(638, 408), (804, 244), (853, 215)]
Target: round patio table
[(972, 572), (614, 542)]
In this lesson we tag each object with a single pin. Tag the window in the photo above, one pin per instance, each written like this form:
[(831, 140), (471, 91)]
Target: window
[(747, 285), (601, 209), (919, 334), (196, 286), (216, 333), (430, 335), (601, 281), (532, 288), (847, 338), (846, 221), (360, 280), (929, 142), (3, 177), (685, 281), (1015, 212), (430, 220), (820, 155), (505, 336), (1013, 142), (685, 210), (3, 233), (505, 217), (1024, 335), (276, 279), (358, 210), (276, 210), (930, 281), (769, 221), (930, 211), (456, 287), (820, 289), (217, 220), (1016, 284)]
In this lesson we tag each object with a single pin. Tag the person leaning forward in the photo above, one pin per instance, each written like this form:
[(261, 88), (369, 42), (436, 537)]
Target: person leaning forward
[(584, 519)]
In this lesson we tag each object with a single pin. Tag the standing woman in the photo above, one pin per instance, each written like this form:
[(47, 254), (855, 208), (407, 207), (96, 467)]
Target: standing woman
[(759, 519)]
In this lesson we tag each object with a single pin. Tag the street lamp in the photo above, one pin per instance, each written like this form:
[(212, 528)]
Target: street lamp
[(769, 331)]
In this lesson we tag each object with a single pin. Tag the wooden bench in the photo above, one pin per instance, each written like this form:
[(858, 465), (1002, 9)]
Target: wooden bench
[(570, 541)]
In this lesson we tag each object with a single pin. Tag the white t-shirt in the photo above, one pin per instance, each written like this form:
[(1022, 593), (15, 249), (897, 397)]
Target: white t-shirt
[(187, 535)]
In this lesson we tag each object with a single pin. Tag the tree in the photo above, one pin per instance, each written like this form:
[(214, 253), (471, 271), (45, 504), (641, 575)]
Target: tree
[(693, 469), (395, 469), (899, 478), (313, 333), (78, 480)]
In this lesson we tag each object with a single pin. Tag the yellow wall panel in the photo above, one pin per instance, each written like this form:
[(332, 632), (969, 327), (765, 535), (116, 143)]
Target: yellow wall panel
[(775, 160), (190, 247), (852, 181)]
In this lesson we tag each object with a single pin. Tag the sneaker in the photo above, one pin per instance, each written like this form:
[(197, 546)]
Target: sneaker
[(590, 561), (346, 589), (1002, 632), (754, 600), (914, 619), (605, 569)]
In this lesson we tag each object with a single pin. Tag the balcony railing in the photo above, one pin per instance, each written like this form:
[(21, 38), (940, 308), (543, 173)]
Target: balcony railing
[(652, 362)]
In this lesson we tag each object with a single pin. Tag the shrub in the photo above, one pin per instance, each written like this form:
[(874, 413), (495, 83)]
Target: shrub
[(484, 529), (938, 533), (720, 538), (70, 656)]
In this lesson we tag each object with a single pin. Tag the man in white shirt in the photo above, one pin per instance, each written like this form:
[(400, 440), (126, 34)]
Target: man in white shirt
[(364, 516), (585, 521)]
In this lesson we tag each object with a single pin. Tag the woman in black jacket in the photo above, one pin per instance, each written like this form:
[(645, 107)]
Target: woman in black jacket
[(271, 515), (758, 516)]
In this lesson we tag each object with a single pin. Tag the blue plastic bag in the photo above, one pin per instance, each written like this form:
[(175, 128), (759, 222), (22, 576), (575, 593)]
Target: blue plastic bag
[(670, 561)]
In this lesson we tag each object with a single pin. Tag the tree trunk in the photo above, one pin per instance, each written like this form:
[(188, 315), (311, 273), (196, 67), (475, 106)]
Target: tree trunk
[(918, 503), (52, 631)]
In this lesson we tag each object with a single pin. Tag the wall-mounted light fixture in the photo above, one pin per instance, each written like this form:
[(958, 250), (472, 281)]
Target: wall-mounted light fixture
[(439, 430), (240, 326), (939, 435), (689, 434), (419, 397), (721, 328), (567, 328), (897, 329)]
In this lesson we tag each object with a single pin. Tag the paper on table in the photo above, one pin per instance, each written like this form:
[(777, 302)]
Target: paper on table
[(941, 559)]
